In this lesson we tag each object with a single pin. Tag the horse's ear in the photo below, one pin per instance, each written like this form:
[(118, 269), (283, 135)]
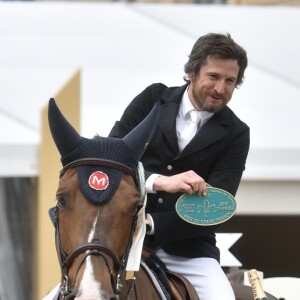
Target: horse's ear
[(139, 137), (63, 133)]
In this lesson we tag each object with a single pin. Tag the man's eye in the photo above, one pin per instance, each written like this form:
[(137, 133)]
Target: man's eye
[(231, 81), (213, 77)]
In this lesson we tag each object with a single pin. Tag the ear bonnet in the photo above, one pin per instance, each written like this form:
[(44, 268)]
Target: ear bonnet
[(98, 182)]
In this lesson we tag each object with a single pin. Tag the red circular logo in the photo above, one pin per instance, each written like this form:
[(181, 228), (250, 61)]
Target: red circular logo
[(98, 181)]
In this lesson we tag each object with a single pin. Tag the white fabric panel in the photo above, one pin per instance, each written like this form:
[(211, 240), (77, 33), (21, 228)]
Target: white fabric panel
[(121, 48)]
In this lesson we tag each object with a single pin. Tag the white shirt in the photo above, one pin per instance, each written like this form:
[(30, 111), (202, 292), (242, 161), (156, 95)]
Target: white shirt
[(182, 120)]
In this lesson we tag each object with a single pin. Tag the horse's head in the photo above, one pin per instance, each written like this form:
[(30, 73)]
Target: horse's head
[(98, 199)]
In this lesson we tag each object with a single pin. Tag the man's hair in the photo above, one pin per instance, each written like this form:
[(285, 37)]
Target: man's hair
[(215, 45)]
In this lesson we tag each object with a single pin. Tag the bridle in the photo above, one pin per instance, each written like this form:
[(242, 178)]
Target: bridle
[(94, 247)]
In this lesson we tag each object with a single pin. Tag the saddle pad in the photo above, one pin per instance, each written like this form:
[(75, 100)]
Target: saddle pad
[(155, 282)]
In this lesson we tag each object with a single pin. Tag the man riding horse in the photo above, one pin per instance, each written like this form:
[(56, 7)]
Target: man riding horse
[(99, 218)]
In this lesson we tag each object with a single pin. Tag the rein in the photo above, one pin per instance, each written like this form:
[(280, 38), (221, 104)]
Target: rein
[(94, 247)]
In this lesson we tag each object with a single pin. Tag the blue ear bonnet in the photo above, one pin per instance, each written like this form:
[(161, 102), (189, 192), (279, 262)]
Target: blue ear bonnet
[(98, 183), (103, 148)]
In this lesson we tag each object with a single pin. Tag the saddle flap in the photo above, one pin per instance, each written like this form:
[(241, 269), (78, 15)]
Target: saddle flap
[(177, 285), (181, 288)]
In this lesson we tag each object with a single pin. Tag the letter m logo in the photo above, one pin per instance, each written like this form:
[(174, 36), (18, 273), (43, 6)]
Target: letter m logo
[(98, 181)]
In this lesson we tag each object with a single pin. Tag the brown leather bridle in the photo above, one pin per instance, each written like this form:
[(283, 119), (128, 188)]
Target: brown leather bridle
[(94, 247)]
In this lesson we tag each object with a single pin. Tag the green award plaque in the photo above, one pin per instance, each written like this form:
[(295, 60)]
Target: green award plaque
[(216, 207)]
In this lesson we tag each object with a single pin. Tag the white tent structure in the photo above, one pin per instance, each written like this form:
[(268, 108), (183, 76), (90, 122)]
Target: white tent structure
[(121, 48)]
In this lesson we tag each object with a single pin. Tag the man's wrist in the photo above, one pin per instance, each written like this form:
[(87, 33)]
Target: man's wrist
[(149, 225), (150, 182)]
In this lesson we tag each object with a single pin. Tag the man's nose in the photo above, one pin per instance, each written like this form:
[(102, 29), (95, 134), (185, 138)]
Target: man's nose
[(220, 87)]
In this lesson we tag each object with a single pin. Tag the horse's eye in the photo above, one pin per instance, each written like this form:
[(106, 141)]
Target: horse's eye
[(136, 208), (61, 201)]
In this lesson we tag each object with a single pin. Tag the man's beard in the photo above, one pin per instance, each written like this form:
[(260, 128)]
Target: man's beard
[(204, 106), (211, 108)]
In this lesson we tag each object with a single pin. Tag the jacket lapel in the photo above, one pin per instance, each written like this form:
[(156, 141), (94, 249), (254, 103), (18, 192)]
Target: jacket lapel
[(167, 123), (215, 129), (170, 102)]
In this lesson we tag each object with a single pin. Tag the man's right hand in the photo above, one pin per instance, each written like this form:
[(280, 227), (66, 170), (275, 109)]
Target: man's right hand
[(187, 182)]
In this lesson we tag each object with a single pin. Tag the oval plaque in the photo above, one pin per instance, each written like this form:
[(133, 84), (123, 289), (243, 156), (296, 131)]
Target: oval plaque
[(216, 207)]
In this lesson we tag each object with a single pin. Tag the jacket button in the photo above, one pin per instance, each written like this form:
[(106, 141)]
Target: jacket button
[(169, 167), (160, 200)]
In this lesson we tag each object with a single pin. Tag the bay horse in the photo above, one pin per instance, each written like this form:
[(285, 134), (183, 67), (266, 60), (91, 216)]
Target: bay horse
[(99, 216)]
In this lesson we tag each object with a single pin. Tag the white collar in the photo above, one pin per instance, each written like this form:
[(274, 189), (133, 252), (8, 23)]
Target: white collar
[(186, 106)]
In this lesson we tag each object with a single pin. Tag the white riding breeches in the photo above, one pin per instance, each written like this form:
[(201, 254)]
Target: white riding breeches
[(205, 274)]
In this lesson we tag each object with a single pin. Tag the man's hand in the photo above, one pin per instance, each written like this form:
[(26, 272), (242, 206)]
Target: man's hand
[(187, 182)]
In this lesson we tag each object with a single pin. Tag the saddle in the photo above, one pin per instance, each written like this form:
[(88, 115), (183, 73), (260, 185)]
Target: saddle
[(176, 286)]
